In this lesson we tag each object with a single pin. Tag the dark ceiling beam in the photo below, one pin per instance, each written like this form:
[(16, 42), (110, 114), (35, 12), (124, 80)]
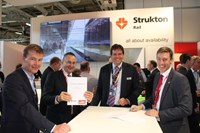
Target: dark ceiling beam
[(62, 8), (17, 11), (41, 9)]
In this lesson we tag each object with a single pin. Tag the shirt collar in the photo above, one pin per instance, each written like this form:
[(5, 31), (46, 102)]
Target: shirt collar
[(66, 74), (113, 65), (193, 70), (30, 77), (166, 73), (152, 70)]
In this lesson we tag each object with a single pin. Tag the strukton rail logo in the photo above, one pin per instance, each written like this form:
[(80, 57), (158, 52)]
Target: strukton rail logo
[(121, 23)]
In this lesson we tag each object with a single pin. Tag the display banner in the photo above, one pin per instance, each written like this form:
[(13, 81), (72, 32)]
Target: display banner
[(141, 27), (142, 30)]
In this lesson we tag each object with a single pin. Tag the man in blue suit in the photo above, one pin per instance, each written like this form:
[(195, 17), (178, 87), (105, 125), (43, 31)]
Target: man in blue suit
[(20, 108), (120, 88), (171, 100)]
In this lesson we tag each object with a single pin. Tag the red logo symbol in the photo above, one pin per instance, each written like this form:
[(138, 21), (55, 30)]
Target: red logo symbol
[(121, 23), (81, 101)]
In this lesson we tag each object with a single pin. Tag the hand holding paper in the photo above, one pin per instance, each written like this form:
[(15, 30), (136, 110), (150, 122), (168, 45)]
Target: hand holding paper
[(64, 96), (76, 87), (88, 95)]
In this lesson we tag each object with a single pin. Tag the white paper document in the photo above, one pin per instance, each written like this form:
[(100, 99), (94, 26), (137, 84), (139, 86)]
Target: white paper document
[(76, 87), (139, 116)]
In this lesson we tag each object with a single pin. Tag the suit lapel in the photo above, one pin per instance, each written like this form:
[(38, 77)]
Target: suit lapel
[(28, 88), (123, 79), (155, 84), (167, 85), (108, 76)]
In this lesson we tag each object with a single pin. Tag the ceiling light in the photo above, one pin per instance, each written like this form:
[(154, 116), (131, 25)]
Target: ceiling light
[(28, 24), (18, 33)]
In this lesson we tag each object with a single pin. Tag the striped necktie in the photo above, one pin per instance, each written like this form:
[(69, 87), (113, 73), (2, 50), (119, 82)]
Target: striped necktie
[(113, 88)]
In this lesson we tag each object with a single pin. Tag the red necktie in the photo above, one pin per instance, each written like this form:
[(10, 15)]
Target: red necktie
[(158, 90)]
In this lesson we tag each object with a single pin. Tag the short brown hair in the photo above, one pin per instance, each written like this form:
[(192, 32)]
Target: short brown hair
[(54, 60), (165, 50), (84, 65), (32, 47), (116, 46)]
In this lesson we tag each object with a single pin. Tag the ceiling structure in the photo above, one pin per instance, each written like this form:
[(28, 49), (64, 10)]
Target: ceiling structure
[(16, 14)]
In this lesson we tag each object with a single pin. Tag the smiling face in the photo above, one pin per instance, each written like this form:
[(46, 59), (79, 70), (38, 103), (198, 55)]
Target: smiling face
[(69, 63), (117, 56), (164, 59), (32, 62)]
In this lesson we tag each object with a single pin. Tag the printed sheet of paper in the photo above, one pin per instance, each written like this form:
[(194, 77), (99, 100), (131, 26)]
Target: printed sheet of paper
[(76, 87), (139, 116)]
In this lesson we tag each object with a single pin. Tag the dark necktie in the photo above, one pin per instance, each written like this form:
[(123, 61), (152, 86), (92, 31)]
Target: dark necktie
[(158, 90), (72, 108), (113, 88), (35, 92)]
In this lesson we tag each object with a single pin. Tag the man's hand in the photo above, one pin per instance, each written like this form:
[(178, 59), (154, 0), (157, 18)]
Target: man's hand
[(123, 101), (62, 128), (88, 95), (135, 108), (64, 96), (152, 112)]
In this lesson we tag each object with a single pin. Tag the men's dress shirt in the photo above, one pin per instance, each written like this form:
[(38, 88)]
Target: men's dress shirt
[(31, 80)]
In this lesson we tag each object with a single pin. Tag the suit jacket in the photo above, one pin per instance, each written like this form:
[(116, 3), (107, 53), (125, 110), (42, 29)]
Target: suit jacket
[(130, 88), (175, 104), (149, 83), (91, 81), (54, 85), (47, 71), (1, 76), (183, 70), (193, 119), (20, 109), (193, 87), (146, 71)]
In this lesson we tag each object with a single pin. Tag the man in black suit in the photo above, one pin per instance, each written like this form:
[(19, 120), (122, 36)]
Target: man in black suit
[(118, 83), (152, 67), (20, 109), (194, 78), (1, 74), (185, 60), (171, 100), (56, 95), (1, 85), (54, 65)]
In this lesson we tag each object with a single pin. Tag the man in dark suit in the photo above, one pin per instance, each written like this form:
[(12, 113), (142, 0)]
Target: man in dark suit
[(117, 87), (171, 100), (54, 65), (20, 109), (193, 78), (152, 67), (56, 95), (185, 60), (1, 85)]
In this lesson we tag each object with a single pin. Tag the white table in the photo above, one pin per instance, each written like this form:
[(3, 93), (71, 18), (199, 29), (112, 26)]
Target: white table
[(113, 120)]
